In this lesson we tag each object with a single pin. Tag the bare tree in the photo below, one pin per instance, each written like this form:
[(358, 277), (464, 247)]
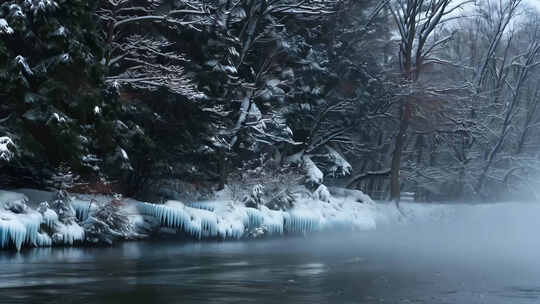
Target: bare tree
[(416, 21)]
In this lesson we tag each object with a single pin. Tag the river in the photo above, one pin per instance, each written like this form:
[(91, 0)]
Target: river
[(480, 254)]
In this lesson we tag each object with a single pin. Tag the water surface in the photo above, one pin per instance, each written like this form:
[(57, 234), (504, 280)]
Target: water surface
[(482, 254)]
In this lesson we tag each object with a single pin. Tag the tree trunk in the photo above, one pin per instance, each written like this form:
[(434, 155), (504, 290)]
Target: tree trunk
[(222, 171), (405, 116)]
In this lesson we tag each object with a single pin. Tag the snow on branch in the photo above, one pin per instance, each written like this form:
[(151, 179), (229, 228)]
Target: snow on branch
[(145, 61), (142, 57), (4, 27), (340, 166), (6, 148), (21, 61), (41, 6), (313, 173)]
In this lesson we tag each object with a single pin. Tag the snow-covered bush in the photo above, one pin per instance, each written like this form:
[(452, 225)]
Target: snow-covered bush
[(316, 166), (62, 206), (256, 197), (108, 223), (15, 206), (265, 183), (314, 175), (339, 166)]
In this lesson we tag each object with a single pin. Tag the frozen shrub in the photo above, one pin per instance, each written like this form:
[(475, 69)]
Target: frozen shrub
[(62, 206), (108, 223)]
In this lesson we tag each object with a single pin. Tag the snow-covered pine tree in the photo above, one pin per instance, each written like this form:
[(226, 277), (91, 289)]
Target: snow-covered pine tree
[(50, 80)]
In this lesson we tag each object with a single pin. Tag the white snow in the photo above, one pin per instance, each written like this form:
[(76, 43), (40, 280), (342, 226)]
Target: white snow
[(20, 225), (340, 166), (322, 194), (22, 62), (354, 195), (57, 118), (65, 57), (9, 196), (229, 220), (50, 218), (124, 154), (61, 31), (12, 231), (68, 233), (219, 219), (41, 5), (313, 173), (5, 152), (4, 27), (18, 228), (16, 11)]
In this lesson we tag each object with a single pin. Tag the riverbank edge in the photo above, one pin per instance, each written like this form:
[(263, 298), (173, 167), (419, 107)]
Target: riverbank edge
[(37, 226)]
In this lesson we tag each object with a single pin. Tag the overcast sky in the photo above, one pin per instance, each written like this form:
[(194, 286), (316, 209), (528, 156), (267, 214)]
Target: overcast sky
[(535, 3)]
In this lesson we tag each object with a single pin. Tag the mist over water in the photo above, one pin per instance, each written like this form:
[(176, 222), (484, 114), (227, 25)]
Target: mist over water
[(473, 254)]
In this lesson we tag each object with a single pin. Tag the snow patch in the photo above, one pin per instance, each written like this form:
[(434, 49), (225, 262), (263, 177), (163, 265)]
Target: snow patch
[(4, 27), (20, 60), (68, 233), (313, 173), (340, 166), (322, 194), (6, 153)]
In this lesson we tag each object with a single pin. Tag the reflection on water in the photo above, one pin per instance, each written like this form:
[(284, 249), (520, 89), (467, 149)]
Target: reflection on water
[(486, 254)]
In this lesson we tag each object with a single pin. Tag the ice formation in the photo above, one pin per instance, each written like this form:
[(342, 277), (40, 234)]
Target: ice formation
[(229, 220), (21, 226), (221, 219), (21, 229), (197, 222), (82, 208), (68, 233)]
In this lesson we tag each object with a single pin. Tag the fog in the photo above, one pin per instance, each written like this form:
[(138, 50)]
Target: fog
[(479, 233), (485, 253)]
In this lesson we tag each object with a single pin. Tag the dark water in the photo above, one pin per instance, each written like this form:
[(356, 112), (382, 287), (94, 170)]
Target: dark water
[(483, 255)]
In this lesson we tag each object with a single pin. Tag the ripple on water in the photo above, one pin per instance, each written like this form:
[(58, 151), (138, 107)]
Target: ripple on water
[(522, 292)]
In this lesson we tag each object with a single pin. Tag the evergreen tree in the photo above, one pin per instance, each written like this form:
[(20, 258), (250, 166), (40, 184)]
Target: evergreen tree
[(50, 83)]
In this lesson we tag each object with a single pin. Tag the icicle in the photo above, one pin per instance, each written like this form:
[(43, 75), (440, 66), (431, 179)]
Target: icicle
[(273, 220), (69, 234), (82, 209), (31, 222), (256, 218), (43, 240), (49, 218)]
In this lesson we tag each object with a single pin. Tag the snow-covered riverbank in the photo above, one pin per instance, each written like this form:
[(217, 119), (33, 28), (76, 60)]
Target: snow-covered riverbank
[(30, 218)]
